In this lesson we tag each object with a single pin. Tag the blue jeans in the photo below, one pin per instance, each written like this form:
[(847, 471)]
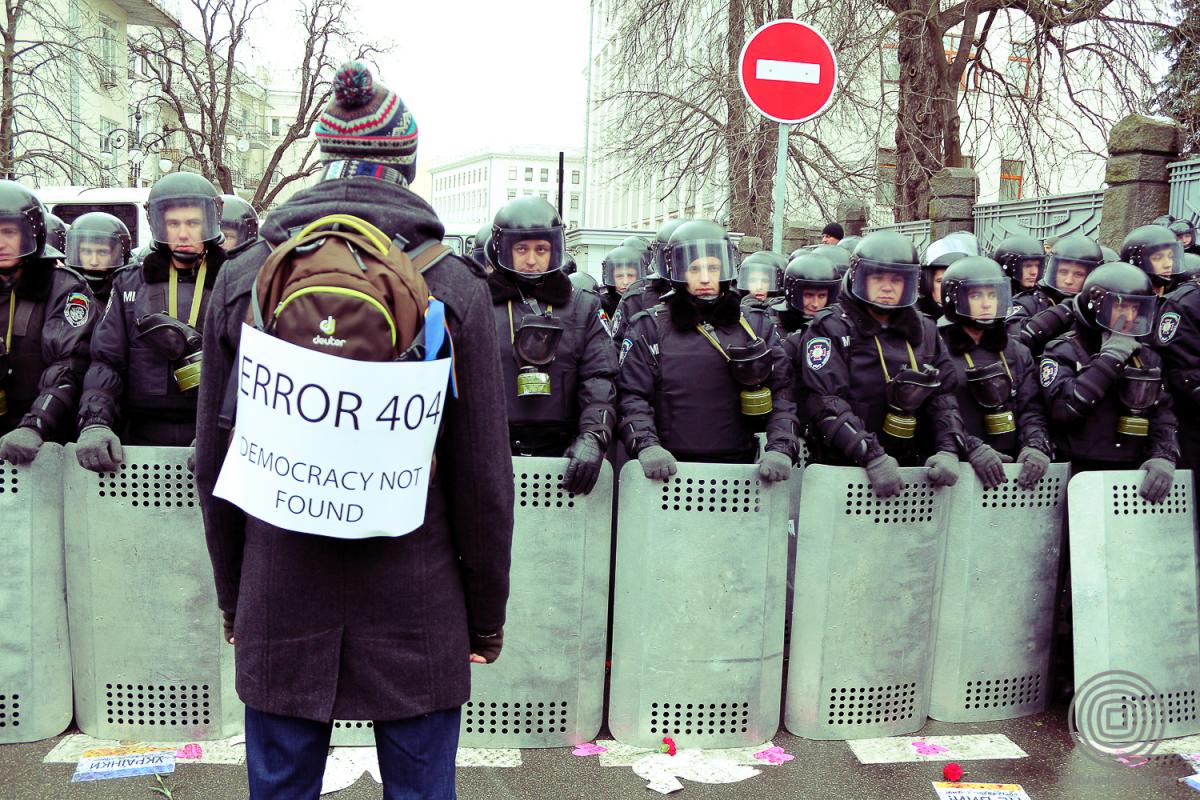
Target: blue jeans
[(285, 756)]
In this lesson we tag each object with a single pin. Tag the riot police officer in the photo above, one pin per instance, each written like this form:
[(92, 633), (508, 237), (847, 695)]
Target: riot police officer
[(46, 315), (872, 368), (700, 374), (583, 282), (146, 346), (98, 244), (937, 257), (1177, 340), (810, 283), (641, 247), (479, 249), (994, 379), (559, 363), (1103, 388), (1041, 315), (1185, 232), (239, 225), (56, 232), (1155, 251), (1022, 258), (622, 267), (760, 277), (849, 243), (645, 293)]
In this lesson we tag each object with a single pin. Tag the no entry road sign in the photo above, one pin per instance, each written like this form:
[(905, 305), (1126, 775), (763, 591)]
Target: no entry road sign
[(788, 71)]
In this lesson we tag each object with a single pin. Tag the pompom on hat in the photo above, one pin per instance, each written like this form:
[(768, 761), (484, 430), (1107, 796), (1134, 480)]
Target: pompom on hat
[(366, 129)]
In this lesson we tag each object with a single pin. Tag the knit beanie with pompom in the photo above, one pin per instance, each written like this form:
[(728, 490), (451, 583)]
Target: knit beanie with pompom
[(366, 129)]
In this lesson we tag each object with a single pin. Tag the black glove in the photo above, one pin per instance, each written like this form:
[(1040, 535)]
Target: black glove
[(583, 469), (99, 449), (884, 475), (943, 469), (657, 463), (988, 465), (1160, 474), (1034, 464), (774, 466), (487, 645), (1120, 346), (227, 624), (20, 446)]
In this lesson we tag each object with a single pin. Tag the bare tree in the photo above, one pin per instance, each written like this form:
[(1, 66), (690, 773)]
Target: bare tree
[(198, 77)]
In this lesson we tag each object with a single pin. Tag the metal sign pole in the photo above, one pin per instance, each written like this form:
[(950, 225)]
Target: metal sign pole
[(780, 188)]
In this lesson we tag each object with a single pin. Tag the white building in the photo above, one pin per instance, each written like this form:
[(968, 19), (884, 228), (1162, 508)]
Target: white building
[(470, 190)]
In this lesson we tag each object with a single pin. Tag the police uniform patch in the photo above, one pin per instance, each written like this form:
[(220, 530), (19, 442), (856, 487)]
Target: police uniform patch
[(626, 346), (1167, 326), (77, 309), (1048, 371), (604, 322), (818, 352), (1013, 311), (616, 320)]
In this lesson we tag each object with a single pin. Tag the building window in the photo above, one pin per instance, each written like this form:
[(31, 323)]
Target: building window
[(885, 171), (574, 202), (1012, 175), (512, 173), (274, 126), (545, 175), (1019, 71), (574, 177), (529, 173), (891, 62)]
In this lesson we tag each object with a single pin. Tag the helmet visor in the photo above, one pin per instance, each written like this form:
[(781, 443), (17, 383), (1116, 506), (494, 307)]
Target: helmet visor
[(183, 222), (758, 280), (16, 237), (983, 300), (701, 264), (93, 250), (235, 231), (530, 251), (1067, 274), (619, 273), (885, 285), (1162, 260), (1131, 315)]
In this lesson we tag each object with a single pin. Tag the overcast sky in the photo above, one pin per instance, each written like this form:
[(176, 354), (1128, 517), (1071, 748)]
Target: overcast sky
[(476, 74)]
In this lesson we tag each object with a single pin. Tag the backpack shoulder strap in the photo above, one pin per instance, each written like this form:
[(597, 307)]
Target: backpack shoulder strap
[(428, 253)]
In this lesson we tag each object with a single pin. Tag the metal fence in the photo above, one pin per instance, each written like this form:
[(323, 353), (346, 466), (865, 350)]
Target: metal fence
[(1185, 189), (917, 230), (1039, 217)]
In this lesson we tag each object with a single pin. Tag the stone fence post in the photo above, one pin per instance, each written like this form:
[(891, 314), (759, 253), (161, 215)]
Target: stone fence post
[(1139, 149), (952, 203)]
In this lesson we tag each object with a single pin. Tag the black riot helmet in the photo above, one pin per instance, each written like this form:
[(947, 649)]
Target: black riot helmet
[(170, 196), (884, 271), (944, 252), (1155, 251), (1189, 272), (1070, 261), (1164, 219), (22, 217), (838, 255), (239, 223), (1017, 253), (569, 266), (975, 291), (56, 231), (812, 273), (527, 219), (1109, 254), (479, 246), (799, 251), (849, 243), (624, 260), (659, 247), (98, 242), (1119, 298), (701, 249), (762, 272), (583, 282), (1184, 231)]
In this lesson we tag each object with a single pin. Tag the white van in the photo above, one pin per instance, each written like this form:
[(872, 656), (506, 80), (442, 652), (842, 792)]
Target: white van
[(68, 203)]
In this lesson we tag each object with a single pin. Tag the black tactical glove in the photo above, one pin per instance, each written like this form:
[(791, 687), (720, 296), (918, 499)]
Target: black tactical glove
[(1034, 464), (1160, 474), (774, 466), (1120, 346), (884, 475), (988, 465), (20, 446), (657, 463), (583, 469), (943, 469), (99, 449), (487, 645), (227, 625)]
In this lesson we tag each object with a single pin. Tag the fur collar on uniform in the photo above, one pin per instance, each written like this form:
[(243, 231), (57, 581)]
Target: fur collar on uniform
[(554, 289), (686, 313), (908, 322), (995, 339), (35, 279), (156, 267)]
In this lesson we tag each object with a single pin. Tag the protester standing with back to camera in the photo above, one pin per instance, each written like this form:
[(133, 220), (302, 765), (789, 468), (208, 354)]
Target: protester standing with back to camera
[(382, 628)]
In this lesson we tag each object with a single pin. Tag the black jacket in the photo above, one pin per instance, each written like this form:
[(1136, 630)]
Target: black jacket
[(641, 295), (52, 323), (1036, 318), (840, 374), (582, 392), (375, 628), (676, 390), (1081, 386)]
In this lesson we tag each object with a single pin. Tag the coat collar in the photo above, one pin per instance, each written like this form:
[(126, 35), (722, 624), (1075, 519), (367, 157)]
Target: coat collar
[(908, 322), (995, 339), (554, 289), (156, 267), (686, 313)]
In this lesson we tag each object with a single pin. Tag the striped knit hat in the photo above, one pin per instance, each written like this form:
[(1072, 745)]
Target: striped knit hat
[(366, 127)]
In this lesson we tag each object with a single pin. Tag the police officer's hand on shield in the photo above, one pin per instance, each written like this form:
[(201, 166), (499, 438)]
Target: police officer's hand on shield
[(657, 463), (1160, 474), (1034, 464), (99, 449), (585, 455), (20, 446), (988, 465)]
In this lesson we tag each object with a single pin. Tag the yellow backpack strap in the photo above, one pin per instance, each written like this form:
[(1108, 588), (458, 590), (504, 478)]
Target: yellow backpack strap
[(376, 237)]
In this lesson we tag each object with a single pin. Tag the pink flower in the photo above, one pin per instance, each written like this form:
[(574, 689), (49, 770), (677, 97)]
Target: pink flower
[(588, 749), (926, 749), (668, 746), (190, 751), (774, 755)]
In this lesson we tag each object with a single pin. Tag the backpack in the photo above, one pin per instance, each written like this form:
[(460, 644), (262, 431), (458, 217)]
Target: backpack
[(341, 286)]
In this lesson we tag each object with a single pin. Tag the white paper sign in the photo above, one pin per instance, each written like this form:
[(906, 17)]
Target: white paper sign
[(979, 791), (331, 446)]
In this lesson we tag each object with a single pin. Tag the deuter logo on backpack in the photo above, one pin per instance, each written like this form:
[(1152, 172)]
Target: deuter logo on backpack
[(328, 326)]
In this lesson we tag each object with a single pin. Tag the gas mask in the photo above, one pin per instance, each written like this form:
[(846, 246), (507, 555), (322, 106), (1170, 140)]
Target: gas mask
[(991, 387), (907, 392), (750, 366), (534, 346), (1140, 390), (179, 342)]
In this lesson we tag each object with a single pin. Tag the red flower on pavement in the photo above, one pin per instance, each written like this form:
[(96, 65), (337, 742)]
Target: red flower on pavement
[(668, 746), (952, 772)]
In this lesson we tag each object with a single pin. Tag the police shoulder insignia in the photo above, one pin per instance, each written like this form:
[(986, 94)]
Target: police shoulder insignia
[(1013, 310), (616, 319), (77, 309), (626, 346), (1048, 371), (818, 352), (1167, 326), (604, 323)]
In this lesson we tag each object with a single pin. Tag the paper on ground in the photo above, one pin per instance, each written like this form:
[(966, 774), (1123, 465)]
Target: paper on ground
[(662, 772), (979, 791), (345, 765), (896, 749), (106, 763), (220, 751), (623, 755)]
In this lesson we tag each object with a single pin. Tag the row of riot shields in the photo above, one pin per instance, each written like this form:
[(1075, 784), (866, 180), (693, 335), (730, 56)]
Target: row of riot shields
[(935, 603)]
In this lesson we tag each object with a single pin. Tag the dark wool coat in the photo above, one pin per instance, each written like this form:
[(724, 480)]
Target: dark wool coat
[(377, 628)]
